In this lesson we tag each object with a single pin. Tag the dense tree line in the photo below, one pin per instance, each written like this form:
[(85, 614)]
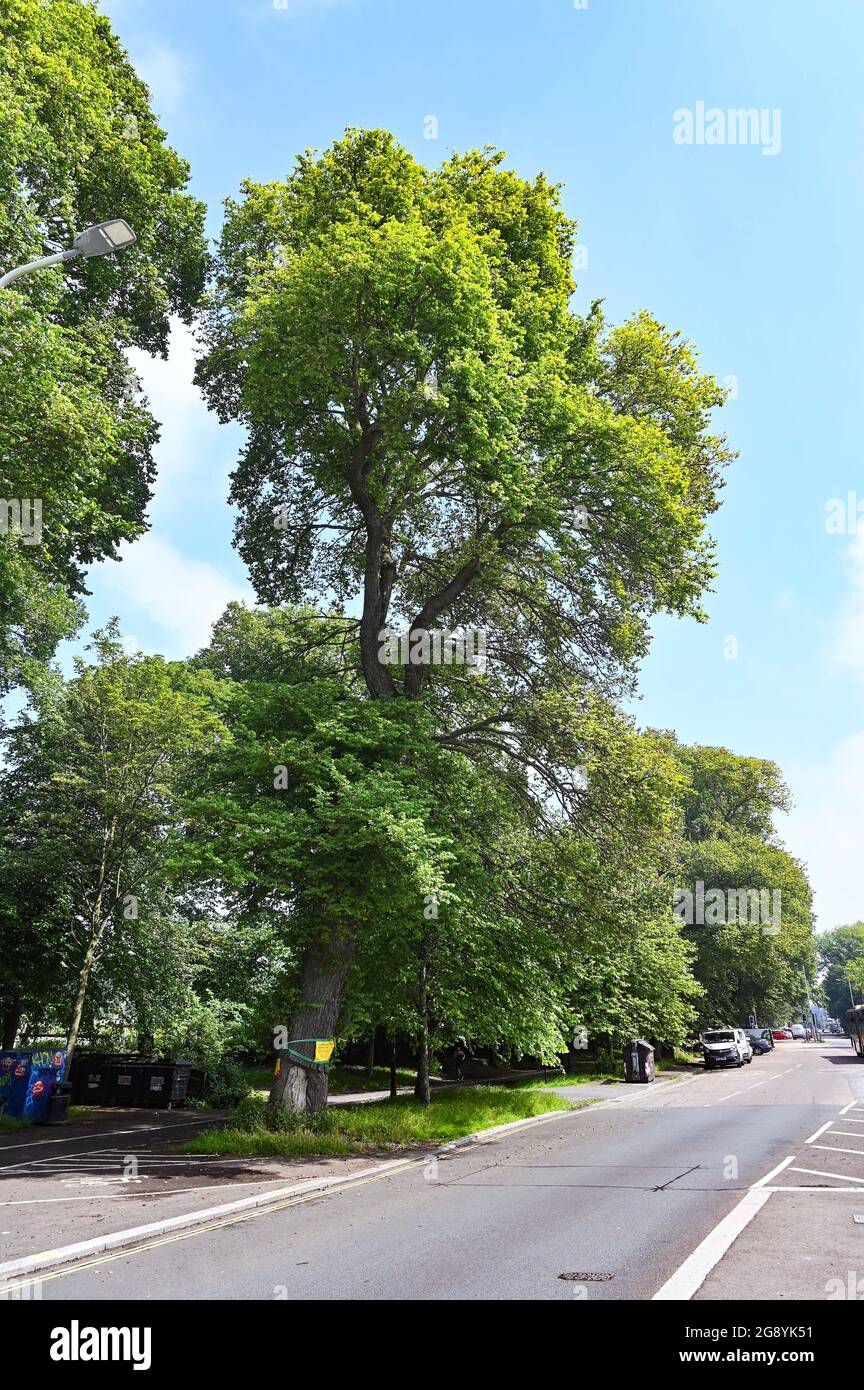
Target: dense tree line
[(78, 144), (293, 828), (841, 957), (171, 834)]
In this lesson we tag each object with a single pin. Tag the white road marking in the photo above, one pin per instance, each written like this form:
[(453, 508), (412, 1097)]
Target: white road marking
[(71, 1165), (851, 1106), (849, 1133), (102, 1158), (113, 1196), (813, 1137), (687, 1280), (109, 1133), (804, 1188), (817, 1173), (71, 1158), (757, 1083), (838, 1149), (98, 1180), (193, 1223), (763, 1182)]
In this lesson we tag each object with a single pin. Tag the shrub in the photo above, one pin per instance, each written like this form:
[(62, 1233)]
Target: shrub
[(227, 1085)]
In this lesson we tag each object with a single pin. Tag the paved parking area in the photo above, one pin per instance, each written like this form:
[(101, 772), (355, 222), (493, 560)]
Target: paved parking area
[(807, 1241), (118, 1168)]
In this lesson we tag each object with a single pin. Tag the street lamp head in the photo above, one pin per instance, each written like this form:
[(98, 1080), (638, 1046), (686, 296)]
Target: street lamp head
[(104, 239)]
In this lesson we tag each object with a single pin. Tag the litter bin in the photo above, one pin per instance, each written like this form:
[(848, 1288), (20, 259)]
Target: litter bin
[(638, 1060), (90, 1078), (132, 1079), (166, 1083), (58, 1103), (127, 1083), (197, 1084)]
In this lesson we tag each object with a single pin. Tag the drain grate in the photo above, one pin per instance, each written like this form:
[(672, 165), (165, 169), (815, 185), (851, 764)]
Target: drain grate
[(590, 1278)]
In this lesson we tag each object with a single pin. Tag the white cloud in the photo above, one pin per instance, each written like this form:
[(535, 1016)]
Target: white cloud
[(165, 73), (826, 830), (180, 596), (846, 647), (190, 435)]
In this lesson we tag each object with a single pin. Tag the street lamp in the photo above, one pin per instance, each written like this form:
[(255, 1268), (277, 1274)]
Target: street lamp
[(105, 239)]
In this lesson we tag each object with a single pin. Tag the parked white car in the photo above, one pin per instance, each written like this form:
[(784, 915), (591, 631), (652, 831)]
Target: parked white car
[(798, 1030), (726, 1047)]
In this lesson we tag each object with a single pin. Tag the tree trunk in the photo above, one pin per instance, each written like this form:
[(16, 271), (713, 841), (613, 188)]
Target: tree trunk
[(11, 1024), (97, 926), (144, 1039), (370, 1059), (421, 1088), (394, 1089), (325, 965), (78, 1010)]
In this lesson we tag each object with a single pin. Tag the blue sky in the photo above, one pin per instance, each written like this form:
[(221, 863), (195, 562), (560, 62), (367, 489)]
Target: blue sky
[(754, 255)]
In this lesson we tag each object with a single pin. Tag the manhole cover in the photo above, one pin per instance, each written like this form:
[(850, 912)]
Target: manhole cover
[(590, 1278)]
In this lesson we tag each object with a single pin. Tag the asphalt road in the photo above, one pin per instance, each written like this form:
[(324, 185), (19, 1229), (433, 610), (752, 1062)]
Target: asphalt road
[(618, 1197)]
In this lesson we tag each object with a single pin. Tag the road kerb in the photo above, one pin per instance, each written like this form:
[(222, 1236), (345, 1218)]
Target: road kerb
[(118, 1240)]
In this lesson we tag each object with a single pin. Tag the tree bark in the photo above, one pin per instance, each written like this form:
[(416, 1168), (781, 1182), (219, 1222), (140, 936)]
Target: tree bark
[(325, 965), (370, 1059), (98, 919), (11, 1024), (394, 1089), (78, 1010), (421, 1088)]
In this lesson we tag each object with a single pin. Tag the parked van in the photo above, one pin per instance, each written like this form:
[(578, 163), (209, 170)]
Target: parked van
[(725, 1047)]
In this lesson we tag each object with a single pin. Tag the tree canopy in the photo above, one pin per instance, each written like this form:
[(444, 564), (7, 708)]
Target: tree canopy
[(436, 437), (80, 145), (307, 828)]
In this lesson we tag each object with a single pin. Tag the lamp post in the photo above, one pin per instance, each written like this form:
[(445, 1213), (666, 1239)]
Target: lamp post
[(105, 239)]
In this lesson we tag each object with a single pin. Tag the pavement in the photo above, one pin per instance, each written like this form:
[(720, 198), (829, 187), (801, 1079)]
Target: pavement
[(738, 1184)]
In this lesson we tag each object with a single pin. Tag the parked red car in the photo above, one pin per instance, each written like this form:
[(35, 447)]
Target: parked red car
[(781, 1034)]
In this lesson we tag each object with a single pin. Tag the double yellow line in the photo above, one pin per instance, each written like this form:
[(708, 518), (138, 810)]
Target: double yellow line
[(156, 1242)]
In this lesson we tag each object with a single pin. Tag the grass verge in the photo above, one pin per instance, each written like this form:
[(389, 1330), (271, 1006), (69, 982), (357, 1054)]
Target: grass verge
[(563, 1079), (381, 1125), (9, 1122)]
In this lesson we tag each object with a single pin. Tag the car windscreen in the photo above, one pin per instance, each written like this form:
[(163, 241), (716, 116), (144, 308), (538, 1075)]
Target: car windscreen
[(720, 1036)]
